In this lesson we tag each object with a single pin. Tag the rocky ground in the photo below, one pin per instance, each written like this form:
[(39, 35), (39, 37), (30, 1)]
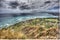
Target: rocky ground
[(32, 29)]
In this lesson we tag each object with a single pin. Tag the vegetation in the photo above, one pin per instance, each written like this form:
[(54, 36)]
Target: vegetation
[(34, 28)]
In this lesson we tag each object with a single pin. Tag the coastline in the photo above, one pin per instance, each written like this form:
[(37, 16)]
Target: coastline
[(14, 20), (31, 25)]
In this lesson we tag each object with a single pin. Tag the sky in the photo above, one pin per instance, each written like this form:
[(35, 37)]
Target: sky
[(44, 6)]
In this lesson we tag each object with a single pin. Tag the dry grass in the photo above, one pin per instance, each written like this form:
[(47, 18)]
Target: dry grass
[(31, 29)]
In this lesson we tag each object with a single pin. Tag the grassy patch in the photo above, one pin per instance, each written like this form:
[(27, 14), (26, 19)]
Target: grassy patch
[(34, 28)]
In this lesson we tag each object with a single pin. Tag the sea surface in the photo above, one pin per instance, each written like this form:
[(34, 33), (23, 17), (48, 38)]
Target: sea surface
[(6, 21)]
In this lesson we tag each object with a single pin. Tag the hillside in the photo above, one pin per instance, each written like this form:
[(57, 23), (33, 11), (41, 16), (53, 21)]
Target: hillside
[(32, 29)]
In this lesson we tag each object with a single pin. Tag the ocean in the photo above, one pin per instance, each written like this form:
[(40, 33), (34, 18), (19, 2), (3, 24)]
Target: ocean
[(6, 21)]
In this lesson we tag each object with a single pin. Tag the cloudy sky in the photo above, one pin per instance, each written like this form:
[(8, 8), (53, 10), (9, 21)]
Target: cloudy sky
[(44, 4)]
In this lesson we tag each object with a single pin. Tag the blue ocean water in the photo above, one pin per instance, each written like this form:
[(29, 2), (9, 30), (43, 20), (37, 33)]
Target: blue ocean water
[(10, 20)]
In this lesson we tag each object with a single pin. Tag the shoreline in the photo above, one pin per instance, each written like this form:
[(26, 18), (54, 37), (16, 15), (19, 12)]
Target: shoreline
[(25, 20), (20, 30)]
